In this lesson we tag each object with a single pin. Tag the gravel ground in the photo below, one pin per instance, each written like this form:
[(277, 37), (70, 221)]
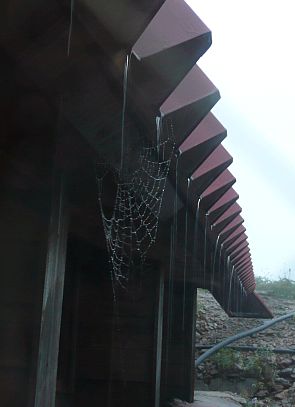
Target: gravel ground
[(213, 324), (275, 386)]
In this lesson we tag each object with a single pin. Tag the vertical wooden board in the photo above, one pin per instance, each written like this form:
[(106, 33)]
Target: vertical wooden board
[(192, 341), (16, 385), (52, 298), (116, 339), (22, 252), (66, 374), (158, 341), (179, 344)]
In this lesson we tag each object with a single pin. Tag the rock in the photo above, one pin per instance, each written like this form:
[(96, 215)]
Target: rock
[(262, 393), (286, 372), (268, 372), (233, 375), (285, 362), (214, 372), (282, 381), (280, 336), (257, 403), (277, 388), (282, 395), (179, 403), (238, 367), (269, 332)]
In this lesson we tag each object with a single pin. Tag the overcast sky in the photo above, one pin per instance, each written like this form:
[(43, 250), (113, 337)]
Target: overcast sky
[(252, 62)]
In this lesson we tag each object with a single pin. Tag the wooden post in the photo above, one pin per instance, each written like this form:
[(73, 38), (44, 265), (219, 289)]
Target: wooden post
[(179, 355), (52, 298), (192, 336), (188, 336), (158, 341)]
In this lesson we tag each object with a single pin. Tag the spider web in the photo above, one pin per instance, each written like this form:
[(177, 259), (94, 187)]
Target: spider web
[(132, 228)]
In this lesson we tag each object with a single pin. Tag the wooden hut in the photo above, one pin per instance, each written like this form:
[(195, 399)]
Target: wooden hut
[(75, 330)]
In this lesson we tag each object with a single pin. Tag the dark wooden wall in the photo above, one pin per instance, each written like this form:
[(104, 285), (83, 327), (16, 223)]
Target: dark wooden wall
[(24, 210), (22, 253), (110, 351), (26, 147), (107, 345), (178, 372)]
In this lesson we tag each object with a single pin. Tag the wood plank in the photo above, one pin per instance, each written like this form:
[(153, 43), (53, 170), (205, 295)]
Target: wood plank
[(178, 356), (66, 374), (16, 343), (52, 297), (14, 384), (125, 364), (158, 341), (94, 339), (95, 393)]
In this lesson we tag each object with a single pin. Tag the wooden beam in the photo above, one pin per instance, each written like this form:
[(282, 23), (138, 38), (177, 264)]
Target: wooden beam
[(52, 297), (179, 343), (159, 339)]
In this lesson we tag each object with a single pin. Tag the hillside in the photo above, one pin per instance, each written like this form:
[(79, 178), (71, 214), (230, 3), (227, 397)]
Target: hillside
[(262, 376)]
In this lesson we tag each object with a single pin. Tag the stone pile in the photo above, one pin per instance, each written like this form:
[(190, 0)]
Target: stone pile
[(274, 379), (213, 324)]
